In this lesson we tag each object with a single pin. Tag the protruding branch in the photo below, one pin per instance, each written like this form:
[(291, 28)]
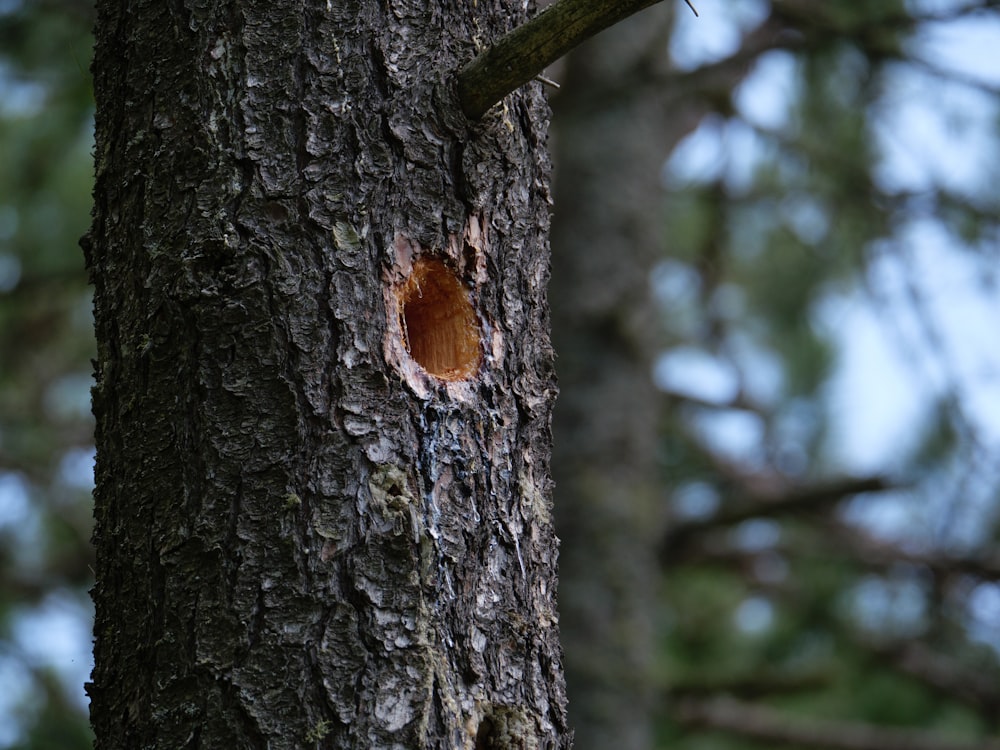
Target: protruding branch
[(523, 53)]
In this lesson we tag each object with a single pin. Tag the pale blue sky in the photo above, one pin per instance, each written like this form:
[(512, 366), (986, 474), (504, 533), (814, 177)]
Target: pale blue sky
[(895, 358)]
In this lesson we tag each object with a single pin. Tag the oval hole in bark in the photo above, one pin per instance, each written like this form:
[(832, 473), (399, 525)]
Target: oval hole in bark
[(440, 329)]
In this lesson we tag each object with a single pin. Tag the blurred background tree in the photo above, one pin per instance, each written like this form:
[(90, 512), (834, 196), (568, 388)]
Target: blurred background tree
[(775, 302), (790, 540)]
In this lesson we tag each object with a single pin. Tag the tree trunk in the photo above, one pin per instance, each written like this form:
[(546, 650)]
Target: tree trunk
[(323, 385), (612, 137), (620, 114)]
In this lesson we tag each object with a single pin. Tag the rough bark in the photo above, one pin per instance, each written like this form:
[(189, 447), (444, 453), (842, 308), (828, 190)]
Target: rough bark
[(303, 538)]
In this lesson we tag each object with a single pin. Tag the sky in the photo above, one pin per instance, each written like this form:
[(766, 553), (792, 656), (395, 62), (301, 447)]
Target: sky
[(933, 134), (921, 327)]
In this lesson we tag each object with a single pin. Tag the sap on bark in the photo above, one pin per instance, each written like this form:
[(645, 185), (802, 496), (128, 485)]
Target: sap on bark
[(439, 325)]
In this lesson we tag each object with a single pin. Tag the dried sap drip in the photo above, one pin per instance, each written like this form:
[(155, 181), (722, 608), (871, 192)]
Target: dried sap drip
[(440, 328)]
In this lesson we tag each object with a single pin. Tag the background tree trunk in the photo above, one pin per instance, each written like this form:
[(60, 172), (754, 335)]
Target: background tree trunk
[(303, 538), (606, 235), (617, 119)]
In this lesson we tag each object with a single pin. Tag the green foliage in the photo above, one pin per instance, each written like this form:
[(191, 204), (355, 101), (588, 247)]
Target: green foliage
[(811, 617), (765, 255), (46, 111)]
